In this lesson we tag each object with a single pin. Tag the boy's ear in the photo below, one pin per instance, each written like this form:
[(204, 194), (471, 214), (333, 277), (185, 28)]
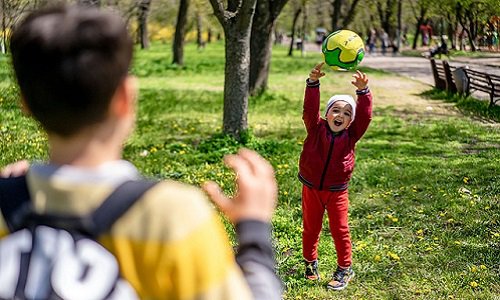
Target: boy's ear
[(123, 101)]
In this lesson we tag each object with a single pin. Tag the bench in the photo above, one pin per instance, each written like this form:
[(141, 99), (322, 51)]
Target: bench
[(443, 78), (487, 83)]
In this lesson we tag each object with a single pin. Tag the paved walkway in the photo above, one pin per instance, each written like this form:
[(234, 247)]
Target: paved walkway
[(419, 68)]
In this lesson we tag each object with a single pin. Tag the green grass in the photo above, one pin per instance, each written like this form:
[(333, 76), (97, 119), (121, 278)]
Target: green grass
[(424, 211)]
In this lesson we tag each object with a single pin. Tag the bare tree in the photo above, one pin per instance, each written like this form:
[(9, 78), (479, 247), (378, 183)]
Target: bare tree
[(419, 12), (199, 28), (180, 32), (350, 14), (343, 20), (142, 22), (296, 15), (386, 12), (337, 5), (12, 11), (264, 21), (202, 19), (209, 35), (400, 26), (468, 15), (236, 21)]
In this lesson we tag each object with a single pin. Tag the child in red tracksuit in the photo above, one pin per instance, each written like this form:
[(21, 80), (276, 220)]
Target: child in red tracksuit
[(325, 168)]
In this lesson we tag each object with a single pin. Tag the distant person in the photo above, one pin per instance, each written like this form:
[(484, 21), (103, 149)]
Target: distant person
[(495, 40), (320, 36), (394, 46), (404, 39), (71, 64), (426, 31), (372, 39), (325, 168), (384, 38), (440, 49)]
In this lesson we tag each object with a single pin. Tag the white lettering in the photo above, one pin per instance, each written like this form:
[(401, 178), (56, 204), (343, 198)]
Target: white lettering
[(11, 248), (88, 273)]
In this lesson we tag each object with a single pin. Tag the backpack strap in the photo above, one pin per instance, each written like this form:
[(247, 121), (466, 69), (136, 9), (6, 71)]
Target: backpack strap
[(17, 210), (116, 205), (14, 200)]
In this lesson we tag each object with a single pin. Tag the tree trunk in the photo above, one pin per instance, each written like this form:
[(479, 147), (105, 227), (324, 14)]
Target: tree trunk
[(237, 24), (400, 26), (417, 33), (349, 17), (4, 28), (420, 21), (472, 30), (199, 38), (236, 83), (180, 27), (464, 16), (142, 18), (472, 42), (337, 5), (303, 30), (264, 20), (386, 16), (260, 56), (294, 26), (452, 34), (320, 14)]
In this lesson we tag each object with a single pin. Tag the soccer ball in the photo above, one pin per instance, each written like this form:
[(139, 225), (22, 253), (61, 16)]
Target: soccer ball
[(343, 50)]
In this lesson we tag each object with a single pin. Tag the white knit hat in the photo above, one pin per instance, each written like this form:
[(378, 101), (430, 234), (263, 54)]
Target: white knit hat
[(346, 98)]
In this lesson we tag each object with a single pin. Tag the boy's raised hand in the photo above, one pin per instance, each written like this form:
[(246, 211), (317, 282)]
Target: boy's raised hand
[(15, 169), (256, 188), (316, 73), (360, 80)]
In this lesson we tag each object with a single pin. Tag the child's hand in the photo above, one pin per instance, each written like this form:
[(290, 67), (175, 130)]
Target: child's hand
[(15, 169), (256, 188), (316, 73), (360, 80)]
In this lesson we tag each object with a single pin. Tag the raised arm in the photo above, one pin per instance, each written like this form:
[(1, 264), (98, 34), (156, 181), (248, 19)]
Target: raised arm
[(363, 107), (310, 114)]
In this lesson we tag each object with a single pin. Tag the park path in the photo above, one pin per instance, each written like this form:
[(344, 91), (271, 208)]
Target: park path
[(419, 68)]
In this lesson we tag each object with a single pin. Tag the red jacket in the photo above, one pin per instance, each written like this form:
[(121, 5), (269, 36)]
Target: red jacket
[(327, 160)]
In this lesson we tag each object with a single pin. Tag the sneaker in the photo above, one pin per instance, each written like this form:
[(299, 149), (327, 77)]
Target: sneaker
[(312, 270), (340, 279)]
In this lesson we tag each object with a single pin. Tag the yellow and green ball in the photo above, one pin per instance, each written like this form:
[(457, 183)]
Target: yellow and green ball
[(343, 50)]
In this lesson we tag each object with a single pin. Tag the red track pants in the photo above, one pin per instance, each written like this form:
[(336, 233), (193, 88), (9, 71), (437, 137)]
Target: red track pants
[(314, 204)]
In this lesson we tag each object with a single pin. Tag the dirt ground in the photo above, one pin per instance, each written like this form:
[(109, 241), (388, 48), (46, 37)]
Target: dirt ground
[(404, 94)]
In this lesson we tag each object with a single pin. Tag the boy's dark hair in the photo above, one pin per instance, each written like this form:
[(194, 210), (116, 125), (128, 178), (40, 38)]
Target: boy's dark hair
[(69, 61)]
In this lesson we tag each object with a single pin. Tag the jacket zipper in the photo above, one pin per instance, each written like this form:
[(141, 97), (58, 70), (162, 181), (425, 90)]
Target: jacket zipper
[(326, 165)]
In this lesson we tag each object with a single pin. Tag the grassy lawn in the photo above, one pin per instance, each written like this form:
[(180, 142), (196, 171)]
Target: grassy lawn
[(424, 214)]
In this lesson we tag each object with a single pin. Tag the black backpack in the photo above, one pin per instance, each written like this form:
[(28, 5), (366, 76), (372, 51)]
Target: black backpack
[(58, 257)]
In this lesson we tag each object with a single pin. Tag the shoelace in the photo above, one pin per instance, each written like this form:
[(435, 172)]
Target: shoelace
[(340, 274)]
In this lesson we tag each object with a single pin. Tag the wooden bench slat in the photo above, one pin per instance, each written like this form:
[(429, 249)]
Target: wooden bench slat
[(477, 81)]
